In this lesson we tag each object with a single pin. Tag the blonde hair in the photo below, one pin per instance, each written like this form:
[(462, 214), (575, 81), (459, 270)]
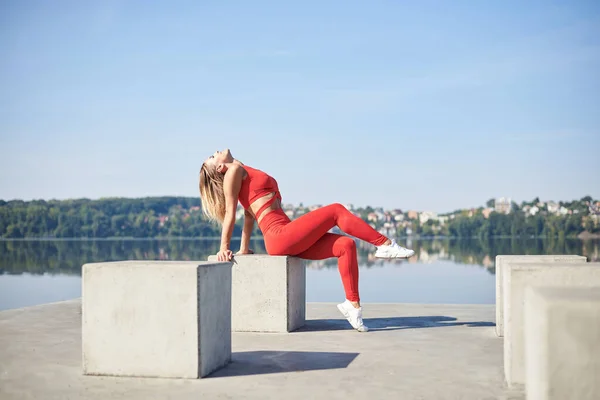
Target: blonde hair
[(212, 193)]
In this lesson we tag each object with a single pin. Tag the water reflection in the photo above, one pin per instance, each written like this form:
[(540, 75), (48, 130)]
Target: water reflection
[(67, 256)]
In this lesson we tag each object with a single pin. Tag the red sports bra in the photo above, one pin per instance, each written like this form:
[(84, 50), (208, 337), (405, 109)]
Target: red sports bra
[(257, 184)]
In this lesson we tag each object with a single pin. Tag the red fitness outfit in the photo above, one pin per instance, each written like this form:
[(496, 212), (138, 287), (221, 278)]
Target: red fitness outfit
[(307, 236)]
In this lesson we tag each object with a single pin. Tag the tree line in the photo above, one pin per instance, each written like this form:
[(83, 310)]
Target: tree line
[(107, 218), (156, 217), (473, 223)]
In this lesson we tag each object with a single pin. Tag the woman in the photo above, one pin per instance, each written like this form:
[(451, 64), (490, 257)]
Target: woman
[(224, 181)]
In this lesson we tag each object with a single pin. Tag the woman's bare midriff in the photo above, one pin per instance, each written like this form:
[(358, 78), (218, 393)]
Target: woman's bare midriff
[(258, 203)]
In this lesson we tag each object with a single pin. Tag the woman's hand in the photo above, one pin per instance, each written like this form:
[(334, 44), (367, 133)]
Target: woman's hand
[(224, 255), (246, 251)]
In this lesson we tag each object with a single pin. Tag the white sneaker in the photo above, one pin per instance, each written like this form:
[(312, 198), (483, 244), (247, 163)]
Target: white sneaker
[(353, 315), (393, 250)]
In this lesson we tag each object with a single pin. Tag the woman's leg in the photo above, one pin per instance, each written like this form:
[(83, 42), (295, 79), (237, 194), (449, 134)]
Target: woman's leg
[(344, 248), (301, 233)]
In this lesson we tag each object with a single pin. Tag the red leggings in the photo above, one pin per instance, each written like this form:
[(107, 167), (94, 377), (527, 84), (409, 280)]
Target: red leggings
[(307, 237)]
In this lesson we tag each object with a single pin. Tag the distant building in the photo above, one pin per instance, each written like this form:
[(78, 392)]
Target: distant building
[(372, 217), (239, 213), (503, 205), (553, 207), (399, 217), (534, 210), (486, 212), (564, 211), (426, 216), (413, 215)]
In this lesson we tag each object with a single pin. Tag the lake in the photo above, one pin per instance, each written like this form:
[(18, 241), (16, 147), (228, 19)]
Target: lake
[(450, 271)]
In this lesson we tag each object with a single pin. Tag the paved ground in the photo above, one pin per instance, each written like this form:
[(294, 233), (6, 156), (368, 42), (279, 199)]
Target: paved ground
[(413, 352)]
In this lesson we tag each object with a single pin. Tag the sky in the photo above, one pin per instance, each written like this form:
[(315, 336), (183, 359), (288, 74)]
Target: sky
[(429, 105)]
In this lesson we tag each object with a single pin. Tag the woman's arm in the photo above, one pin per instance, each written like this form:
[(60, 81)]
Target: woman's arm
[(247, 232), (231, 186)]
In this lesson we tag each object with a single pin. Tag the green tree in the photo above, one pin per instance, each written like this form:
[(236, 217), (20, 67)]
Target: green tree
[(13, 232)]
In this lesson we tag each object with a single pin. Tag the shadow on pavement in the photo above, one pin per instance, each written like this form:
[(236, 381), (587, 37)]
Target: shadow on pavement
[(390, 323), (269, 362)]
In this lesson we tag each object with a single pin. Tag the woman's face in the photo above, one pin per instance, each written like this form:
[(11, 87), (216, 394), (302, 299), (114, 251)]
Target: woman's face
[(219, 157)]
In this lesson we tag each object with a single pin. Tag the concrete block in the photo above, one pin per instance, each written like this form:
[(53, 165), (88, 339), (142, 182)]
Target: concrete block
[(156, 318), (268, 293), (501, 262), (521, 276), (562, 343)]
